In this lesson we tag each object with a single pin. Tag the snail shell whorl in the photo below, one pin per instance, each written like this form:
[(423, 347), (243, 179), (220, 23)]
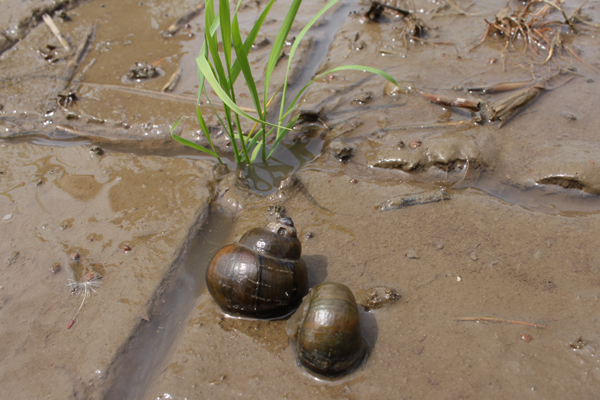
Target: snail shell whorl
[(262, 275), (329, 339)]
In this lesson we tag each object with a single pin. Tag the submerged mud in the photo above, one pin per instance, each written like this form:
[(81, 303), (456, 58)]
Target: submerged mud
[(128, 218), (495, 284)]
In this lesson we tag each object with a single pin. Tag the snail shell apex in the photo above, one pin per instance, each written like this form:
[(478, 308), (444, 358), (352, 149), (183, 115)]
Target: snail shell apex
[(262, 275), (326, 329)]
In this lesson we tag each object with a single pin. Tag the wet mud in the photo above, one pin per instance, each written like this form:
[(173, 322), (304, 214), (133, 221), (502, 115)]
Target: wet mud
[(469, 243)]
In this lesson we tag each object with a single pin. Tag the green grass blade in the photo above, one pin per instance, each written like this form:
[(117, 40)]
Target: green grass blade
[(363, 68), (209, 17), (205, 129), (256, 151), (225, 19), (254, 139), (210, 77), (280, 137), (236, 69), (242, 57), (227, 126), (213, 47), (241, 138), (279, 42), (299, 38), (190, 143), (297, 41), (211, 41)]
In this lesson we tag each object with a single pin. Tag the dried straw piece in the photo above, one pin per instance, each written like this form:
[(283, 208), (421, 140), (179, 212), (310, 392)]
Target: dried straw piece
[(56, 32), (504, 321), (184, 19), (451, 101), (170, 85)]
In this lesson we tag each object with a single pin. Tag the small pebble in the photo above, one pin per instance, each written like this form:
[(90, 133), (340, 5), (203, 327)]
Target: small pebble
[(54, 268), (309, 235), (412, 254), (12, 257), (353, 180), (473, 256), (97, 150), (415, 143), (568, 116), (74, 256), (458, 279), (526, 337), (7, 216), (439, 246), (126, 248)]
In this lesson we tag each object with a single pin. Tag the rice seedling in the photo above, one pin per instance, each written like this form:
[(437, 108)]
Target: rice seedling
[(220, 70)]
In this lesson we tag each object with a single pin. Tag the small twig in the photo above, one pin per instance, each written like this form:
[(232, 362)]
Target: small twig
[(73, 320), (69, 72), (466, 123), (56, 32), (398, 10), (184, 19), (170, 85), (72, 65), (556, 39), (398, 202), (500, 87), (69, 130), (500, 320), (567, 20), (460, 10), (451, 101), (581, 59)]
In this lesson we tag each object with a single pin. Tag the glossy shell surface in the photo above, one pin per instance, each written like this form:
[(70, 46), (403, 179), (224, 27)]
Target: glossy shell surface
[(326, 330), (261, 276)]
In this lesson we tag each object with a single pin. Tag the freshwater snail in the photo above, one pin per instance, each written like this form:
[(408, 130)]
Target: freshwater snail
[(326, 329), (261, 276)]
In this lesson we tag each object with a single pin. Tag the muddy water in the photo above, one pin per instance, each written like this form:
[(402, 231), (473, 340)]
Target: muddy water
[(514, 241), (136, 367)]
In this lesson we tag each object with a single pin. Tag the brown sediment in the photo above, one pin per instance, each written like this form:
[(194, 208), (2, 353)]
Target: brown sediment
[(517, 231)]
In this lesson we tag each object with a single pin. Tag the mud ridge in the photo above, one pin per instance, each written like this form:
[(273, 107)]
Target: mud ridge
[(26, 24), (122, 372)]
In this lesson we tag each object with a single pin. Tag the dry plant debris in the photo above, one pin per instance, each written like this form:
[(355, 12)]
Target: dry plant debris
[(535, 27), (413, 28), (504, 321), (89, 281)]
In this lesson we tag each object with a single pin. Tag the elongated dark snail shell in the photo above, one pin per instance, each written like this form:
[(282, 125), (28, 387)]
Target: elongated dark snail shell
[(326, 329), (261, 276)]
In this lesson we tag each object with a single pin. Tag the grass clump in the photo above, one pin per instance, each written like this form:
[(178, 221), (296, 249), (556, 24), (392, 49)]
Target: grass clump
[(221, 72)]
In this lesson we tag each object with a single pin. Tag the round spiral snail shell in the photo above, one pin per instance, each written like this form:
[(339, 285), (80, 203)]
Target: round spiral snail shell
[(326, 329), (261, 276)]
